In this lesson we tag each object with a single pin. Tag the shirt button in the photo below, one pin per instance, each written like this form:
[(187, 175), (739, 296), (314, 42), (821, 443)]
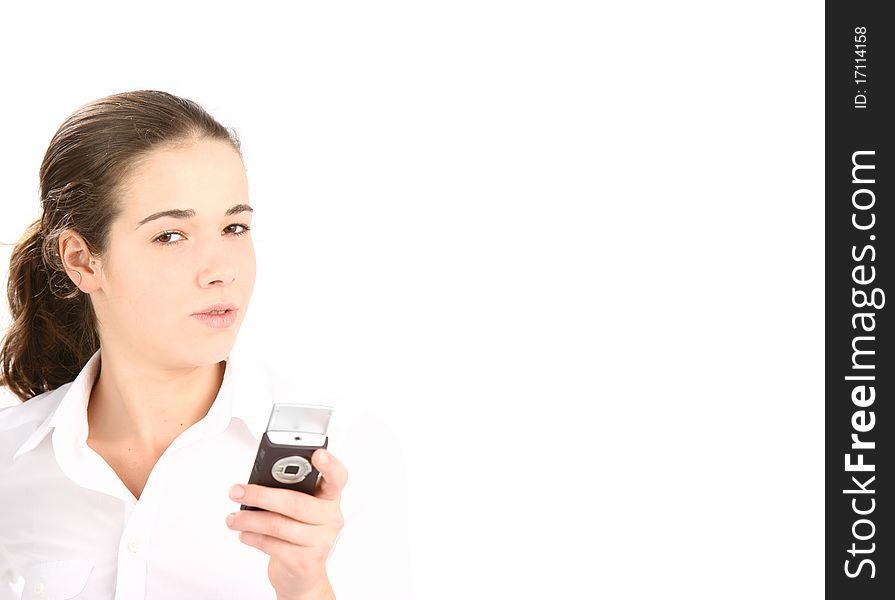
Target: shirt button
[(133, 547), (39, 588)]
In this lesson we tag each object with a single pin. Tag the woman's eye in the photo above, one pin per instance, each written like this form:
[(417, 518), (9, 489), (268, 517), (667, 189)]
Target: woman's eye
[(165, 238), (245, 229)]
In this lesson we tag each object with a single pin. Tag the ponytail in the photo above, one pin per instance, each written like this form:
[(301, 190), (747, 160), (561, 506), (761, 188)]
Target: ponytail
[(53, 333)]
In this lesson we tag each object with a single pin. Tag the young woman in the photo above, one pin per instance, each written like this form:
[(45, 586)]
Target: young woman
[(121, 464)]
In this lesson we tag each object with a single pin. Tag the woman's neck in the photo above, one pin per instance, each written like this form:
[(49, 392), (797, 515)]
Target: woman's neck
[(145, 408)]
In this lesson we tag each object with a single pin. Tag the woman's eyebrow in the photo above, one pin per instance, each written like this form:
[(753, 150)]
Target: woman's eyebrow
[(189, 213)]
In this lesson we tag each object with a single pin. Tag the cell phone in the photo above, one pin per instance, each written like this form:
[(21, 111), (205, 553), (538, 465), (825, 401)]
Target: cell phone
[(294, 432)]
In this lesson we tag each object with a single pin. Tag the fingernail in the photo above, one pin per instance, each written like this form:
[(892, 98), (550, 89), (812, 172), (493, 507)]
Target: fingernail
[(230, 519), (237, 492), (324, 457)]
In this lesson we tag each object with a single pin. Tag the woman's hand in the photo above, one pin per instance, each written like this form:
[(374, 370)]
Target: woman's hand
[(298, 531)]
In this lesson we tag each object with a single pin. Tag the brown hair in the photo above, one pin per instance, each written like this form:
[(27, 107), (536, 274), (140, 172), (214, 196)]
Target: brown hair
[(53, 331)]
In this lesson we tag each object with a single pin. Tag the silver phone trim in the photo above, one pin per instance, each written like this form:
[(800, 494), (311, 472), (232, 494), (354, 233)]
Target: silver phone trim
[(306, 418), (296, 438)]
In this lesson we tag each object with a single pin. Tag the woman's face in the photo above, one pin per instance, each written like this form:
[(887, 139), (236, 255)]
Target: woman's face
[(160, 270)]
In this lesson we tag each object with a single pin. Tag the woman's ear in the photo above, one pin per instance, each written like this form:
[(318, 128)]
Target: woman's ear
[(80, 265)]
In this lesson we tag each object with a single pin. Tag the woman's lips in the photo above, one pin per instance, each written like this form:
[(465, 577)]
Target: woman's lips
[(217, 321)]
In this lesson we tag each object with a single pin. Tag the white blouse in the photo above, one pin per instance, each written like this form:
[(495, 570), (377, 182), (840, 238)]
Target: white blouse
[(69, 528)]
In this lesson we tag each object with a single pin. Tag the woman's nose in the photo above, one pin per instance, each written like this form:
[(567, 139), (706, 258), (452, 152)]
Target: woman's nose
[(219, 278)]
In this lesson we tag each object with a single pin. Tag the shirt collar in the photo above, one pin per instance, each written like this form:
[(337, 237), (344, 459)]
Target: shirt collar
[(235, 399), (251, 393)]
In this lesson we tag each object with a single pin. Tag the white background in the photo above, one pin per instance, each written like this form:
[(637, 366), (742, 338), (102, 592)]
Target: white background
[(572, 252)]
